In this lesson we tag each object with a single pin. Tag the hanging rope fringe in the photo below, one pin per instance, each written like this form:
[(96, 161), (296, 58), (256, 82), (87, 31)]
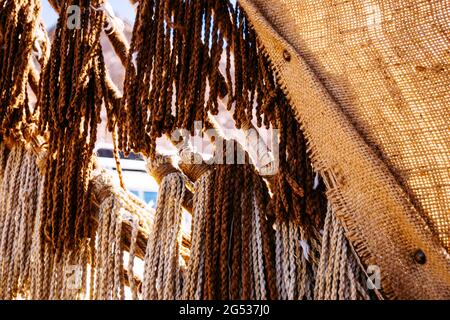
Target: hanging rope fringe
[(70, 99), (164, 265), (196, 268), (30, 267), (173, 78), (296, 262), (17, 209), (296, 196), (109, 275), (18, 24), (339, 276), (232, 254)]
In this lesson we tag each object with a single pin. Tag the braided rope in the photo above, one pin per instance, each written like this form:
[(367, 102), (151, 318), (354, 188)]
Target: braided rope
[(338, 276), (162, 265)]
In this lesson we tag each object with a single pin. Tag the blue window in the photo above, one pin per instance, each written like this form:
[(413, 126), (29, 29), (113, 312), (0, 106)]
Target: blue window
[(136, 193), (150, 196)]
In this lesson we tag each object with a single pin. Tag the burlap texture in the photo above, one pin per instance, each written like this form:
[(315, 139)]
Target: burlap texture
[(369, 82)]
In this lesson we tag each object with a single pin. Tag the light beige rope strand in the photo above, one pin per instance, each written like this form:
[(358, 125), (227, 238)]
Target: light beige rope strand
[(162, 266), (9, 221), (18, 236), (174, 242), (278, 263), (22, 249), (118, 257), (259, 248), (194, 272), (110, 255), (338, 276), (152, 255), (35, 255), (131, 257), (102, 249), (319, 290), (337, 243), (292, 256), (32, 208)]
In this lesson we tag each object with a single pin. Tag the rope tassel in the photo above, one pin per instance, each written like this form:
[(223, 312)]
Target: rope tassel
[(232, 253), (70, 99), (18, 25), (163, 277)]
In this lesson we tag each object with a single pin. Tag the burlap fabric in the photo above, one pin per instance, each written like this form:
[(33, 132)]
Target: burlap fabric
[(369, 82)]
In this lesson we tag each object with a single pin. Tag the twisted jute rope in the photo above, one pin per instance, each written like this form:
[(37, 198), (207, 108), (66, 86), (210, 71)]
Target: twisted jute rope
[(31, 268), (163, 263), (41, 274), (339, 276), (231, 252)]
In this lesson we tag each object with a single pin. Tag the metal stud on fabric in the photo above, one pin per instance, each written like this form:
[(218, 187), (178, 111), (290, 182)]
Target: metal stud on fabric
[(420, 257), (286, 55)]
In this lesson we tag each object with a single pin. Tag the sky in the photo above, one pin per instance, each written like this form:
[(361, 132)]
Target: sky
[(122, 8)]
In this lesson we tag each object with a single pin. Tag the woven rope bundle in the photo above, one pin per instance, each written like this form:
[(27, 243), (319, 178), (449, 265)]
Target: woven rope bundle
[(18, 37), (31, 268), (163, 261), (232, 253)]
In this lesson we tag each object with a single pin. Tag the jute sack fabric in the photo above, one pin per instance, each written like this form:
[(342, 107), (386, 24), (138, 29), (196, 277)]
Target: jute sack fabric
[(369, 83)]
